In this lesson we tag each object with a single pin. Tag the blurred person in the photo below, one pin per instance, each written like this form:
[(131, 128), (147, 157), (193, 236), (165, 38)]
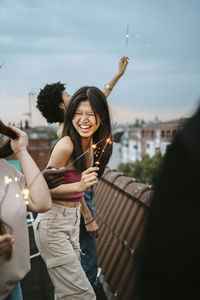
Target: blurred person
[(168, 260), (87, 121), (52, 101), (14, 240)]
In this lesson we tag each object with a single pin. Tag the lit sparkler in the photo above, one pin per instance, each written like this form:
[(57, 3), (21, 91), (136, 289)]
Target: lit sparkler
[(26, 194), (93, 146), (108, 141), (127, 37)]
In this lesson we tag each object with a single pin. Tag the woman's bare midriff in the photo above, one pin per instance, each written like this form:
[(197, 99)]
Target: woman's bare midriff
[(65, 203)]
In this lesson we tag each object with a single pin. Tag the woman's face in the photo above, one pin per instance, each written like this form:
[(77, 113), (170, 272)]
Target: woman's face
[(84, 120)]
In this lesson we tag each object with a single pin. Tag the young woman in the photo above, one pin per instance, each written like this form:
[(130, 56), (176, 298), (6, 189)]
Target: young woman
[(14, 241), (87, 122)]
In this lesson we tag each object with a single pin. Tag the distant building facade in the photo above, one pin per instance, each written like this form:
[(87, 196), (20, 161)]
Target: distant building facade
[(158, 136), (134, 142), (127, 148)]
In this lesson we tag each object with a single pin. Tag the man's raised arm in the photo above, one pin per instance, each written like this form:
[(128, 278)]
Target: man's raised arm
[(110, 85)]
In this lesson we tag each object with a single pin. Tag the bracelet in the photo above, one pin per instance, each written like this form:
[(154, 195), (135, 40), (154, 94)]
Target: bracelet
[(107, 86), (89, 222), (21, 150)]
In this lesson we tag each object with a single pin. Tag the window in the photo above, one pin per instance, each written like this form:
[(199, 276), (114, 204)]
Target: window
[(152, 133), (143, 133), (174, 133), (162, 133), (168, 133)]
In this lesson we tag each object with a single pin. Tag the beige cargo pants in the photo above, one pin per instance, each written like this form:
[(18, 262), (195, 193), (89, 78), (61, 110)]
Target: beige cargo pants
[(57, 238)]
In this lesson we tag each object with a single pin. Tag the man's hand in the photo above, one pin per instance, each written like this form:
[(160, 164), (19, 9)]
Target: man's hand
[(6, 240), (123, 64), (110, 85), (54, 176), (93, 229)]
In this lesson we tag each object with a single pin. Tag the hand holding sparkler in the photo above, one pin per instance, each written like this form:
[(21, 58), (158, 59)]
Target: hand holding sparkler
[(88, 179), (122, 65)]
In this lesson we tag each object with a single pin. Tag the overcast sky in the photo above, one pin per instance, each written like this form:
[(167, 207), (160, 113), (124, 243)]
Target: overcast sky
[(80, 42)]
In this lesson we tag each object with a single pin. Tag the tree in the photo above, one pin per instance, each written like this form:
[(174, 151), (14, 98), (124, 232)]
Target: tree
[(146, 170), (49, 131), (26, 124), (138, 123)]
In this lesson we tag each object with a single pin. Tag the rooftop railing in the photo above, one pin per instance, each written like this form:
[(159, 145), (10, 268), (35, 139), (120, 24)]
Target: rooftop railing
[(121, 205)]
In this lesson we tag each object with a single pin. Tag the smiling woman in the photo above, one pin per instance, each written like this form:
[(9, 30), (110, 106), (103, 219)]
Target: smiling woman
[(87, 121)]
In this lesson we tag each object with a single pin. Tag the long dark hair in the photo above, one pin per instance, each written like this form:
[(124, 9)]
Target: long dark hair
[(99, 105), (5, 149)]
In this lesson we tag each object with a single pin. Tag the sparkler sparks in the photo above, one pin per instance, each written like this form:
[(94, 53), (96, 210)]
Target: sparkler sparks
[(26, 194), (108, 141), (127, 37), (7, 180), (94, 146)]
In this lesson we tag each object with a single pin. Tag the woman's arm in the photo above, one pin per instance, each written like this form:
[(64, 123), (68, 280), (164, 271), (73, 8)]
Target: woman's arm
[(122, 67), (90, 223), (88, 179), (61, 153), (60, 156), (40, 199)]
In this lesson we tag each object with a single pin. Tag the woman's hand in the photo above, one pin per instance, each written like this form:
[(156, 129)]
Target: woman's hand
[(93, 229), (88, 179), (123, 64), (18, 144), (6, 240)]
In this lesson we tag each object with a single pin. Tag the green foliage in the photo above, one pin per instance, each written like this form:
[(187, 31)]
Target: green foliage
[(49, 131), (146, 170), (26, 126), (138, 123)]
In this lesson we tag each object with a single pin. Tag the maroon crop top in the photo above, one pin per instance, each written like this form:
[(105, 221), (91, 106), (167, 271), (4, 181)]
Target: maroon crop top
[(71, 176)]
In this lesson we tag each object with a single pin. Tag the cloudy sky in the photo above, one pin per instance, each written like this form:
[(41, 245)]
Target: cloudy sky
[(81, 41)]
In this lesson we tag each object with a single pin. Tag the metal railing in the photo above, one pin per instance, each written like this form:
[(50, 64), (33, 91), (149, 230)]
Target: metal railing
[(121, 206)]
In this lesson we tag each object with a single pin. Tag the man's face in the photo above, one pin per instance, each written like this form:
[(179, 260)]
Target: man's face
[(66, 98)]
